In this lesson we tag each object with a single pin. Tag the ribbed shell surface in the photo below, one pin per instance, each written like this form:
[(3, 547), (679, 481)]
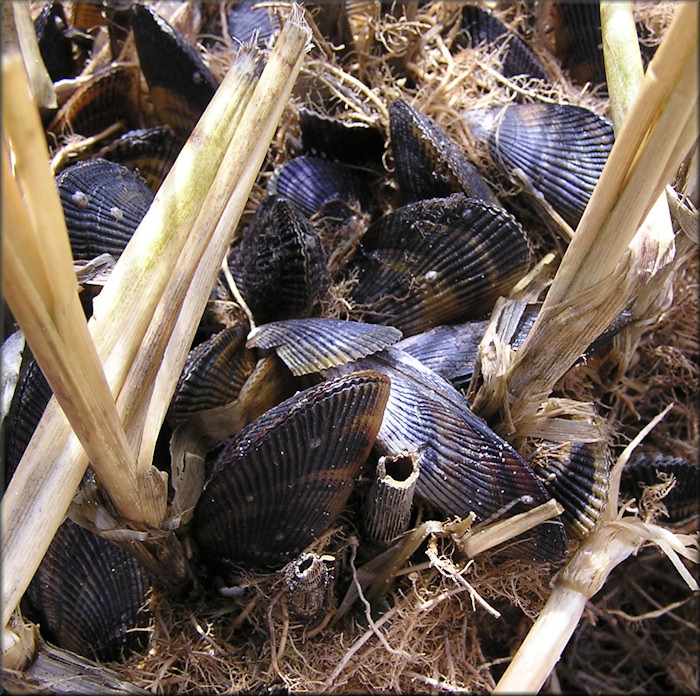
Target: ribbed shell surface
[(103, 203), (310, 345), (438, 261), (464, 466), (561, 149), (248, 24), (213, 374), (87, 593), (279, 484), (428, 163), (310, 182), (279, 264), (479, 26)]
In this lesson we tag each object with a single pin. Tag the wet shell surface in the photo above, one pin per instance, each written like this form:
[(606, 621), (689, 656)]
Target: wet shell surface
[(560, 149), (428, 163), (278, 485), (55, 47), (312, 183), (249, 24), (103, 203), (279, 264), (179, 83), (479, 26), (87, 594), (213, 375), (438, 261)]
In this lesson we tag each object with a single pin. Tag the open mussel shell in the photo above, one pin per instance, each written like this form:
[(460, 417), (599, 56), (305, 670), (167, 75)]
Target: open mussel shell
[(352, 143), (213, 374), (179, 83), (111, 96), (479, 27), (651, 468), (438, 261), (87, 595), (103, 203), (578, 477), (428, 163), (279, 484), (312, 345), (149, 151), (560, 149), (464, 466), (279, 264), (312, 183)]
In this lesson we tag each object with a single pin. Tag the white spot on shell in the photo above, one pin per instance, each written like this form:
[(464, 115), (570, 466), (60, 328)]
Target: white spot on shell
[(80, 199), (117, 213)]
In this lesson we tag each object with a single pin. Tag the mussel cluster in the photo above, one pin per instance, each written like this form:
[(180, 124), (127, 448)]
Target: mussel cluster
[(297, 399)]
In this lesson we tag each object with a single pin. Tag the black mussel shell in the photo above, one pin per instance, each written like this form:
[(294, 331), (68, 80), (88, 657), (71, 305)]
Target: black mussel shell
[(112, 96), (278, 485), (55, 47), (213, 374), (560, 149), (279, 264), (464, 466), (103, 203), (151, 152), (312, 345), (428, 163), (311, 183), (87, 594), (479, 26), (578, 477), (179, 83), (651, 468), (438, 261), (249, 23), (352, 143)]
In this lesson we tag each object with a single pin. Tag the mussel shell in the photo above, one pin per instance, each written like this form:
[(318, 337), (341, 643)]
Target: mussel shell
[(55, 47), (249, 24), (278, 485), (213, 374), (100, 103), (561, 149), (279, 264), (151, 152), (103, 203), (352, 143), (683, 500), (438, 261), (428, 163), (579, 479), (179, 83), (310, 183), (479, 26), (87, 593)]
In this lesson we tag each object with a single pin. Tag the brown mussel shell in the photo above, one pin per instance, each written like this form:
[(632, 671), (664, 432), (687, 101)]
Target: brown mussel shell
[(560, 149), (149, 151), (213, 375), (464, 466), (87, 595), (428, 163), (438, 261), (179, 83), (311, 184), (279, 264), (103, 203), (278, 485)]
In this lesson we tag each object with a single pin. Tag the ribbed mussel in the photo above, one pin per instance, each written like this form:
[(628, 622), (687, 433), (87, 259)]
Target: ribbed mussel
[(283, 480), (560, 149), (438, 261)]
